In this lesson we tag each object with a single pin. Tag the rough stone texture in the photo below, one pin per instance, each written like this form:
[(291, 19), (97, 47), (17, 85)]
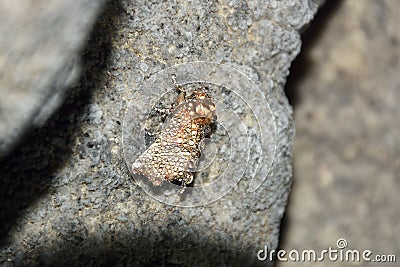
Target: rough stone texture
[(39, 48), (347, 145), (66, 193)]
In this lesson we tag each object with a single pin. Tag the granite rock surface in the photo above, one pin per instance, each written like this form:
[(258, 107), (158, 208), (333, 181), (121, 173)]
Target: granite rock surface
[(67, 196), (40, 43)]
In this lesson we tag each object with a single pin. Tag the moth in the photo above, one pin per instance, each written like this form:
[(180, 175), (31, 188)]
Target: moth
[(175, 153)]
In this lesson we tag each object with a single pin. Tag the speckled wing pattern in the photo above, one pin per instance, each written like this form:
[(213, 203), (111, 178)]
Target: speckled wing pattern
[(175, 153)]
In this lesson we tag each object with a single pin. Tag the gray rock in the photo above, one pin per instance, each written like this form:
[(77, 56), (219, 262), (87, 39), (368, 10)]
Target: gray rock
[(39, 48), (67, 195), (347, 143)]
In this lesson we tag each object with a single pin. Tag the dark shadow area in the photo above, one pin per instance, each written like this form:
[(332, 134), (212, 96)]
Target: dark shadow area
[(165, 248), (299, 70), (27, 172), (302, 64)]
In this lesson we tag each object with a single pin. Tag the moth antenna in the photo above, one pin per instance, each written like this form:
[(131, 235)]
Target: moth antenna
[(182, 92)]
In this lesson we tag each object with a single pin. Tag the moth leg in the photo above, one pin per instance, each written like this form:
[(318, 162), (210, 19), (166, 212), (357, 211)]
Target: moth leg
[(164, 112), (207, 129), (186, 180)]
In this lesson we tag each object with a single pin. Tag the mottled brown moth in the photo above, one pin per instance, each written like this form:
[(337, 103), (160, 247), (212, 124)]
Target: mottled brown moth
[(175, 153)]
